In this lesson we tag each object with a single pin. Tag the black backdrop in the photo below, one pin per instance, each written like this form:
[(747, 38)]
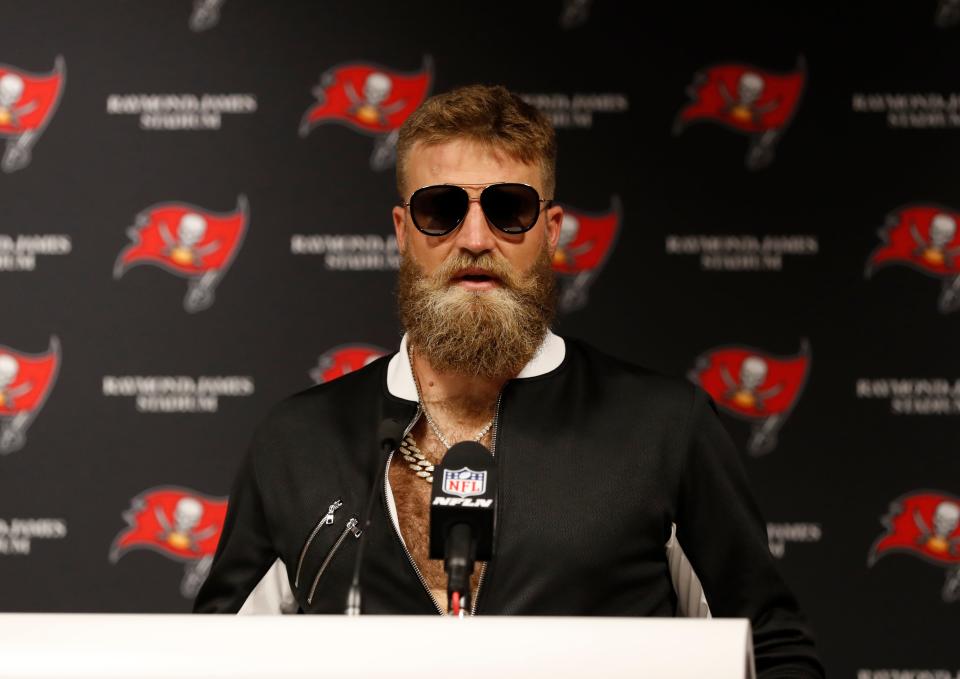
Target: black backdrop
[(847, 454)]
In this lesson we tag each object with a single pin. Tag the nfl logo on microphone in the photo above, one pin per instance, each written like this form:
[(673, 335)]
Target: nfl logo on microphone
[(464, 482)]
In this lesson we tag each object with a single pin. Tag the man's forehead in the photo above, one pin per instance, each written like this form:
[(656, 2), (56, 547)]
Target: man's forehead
[(463, 161)]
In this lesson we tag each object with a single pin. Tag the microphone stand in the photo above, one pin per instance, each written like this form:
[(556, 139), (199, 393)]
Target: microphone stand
[(461, 551), (462, 518), (390, 431)]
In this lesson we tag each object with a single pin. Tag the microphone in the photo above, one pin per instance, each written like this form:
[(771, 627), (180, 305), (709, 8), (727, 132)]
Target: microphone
[(389, 434), (462, 516)]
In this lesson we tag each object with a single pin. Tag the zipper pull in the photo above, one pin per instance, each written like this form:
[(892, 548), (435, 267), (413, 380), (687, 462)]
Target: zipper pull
[(328, 518), (354, 527)]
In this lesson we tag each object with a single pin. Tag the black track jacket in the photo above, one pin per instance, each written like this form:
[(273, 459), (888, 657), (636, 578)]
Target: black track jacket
[(601, 464)]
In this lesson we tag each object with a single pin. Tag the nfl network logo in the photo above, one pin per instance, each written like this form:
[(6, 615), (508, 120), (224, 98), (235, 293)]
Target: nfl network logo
[(464, 482)]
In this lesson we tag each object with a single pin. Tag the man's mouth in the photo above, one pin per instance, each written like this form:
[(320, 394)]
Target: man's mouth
[(475, 279)]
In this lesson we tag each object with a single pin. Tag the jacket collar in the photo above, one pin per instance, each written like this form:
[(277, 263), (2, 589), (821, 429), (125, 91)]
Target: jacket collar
[(400, 379)]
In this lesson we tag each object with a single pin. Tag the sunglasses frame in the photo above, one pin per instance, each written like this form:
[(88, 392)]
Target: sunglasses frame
[(545, 203)]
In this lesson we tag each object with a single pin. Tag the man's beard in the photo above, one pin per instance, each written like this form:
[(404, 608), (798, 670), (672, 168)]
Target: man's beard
[(485, 333)]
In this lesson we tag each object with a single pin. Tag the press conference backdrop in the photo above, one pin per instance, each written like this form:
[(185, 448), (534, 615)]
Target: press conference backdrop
[(195, 223)]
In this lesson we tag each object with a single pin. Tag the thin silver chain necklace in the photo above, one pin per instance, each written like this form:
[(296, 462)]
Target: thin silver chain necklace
[(418, 462)]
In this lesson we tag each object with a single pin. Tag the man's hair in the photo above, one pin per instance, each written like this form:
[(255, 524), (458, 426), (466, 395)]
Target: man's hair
[(489, 115)]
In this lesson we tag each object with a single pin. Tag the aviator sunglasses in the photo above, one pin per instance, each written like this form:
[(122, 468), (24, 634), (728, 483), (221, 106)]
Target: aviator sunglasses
[(513, 208)]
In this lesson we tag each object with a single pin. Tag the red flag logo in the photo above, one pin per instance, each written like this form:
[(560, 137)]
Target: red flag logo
[(744, 98), (755, 386), (747, 99), (27, 103), (370, 99), (187, 241), (179, 523), (25, 380), (367, 97), (344, 359), (586, 241), (28, 100), (25, 383), (924, 238), (925, 524)]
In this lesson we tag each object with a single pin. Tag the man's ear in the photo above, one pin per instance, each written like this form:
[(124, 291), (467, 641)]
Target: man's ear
[(554, 219), (400, 226)]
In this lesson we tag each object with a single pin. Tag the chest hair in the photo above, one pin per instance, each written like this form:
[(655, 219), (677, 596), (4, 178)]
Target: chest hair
[(412, 496)]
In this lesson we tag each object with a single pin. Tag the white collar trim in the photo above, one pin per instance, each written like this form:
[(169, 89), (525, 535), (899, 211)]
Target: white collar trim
[(400, 378)]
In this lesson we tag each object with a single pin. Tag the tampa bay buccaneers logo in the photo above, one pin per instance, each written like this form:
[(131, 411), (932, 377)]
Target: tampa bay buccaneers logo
[(344, 359), (924, 238), (746, 99), (178, 523), (755, 386), (586, 241), (25, 383), (924, 524), (370, 99), (187, 241), (27, 103)]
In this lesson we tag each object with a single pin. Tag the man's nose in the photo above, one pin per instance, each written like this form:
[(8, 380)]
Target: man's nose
[(474, 234)]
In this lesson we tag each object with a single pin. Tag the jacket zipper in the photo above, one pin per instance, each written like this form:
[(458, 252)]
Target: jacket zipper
[(416, 569), (353, 528), (326, 520)]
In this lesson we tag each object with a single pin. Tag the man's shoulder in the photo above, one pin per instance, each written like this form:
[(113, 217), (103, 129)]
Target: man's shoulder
[(627, 375)]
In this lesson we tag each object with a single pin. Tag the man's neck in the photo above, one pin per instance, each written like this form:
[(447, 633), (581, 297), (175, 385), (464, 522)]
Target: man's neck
[(455, 391)]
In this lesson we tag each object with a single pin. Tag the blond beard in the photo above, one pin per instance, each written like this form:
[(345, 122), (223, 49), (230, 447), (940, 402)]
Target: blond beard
[(490, 333)]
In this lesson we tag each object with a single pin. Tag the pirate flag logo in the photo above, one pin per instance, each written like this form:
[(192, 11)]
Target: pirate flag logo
[(205, 14), (27, 103), (344, 359), (925, 238), (187, 241), (586, 241), (748, 100), (924, 524), (25, 383), (755, 386), (178, 523), (370, 99)]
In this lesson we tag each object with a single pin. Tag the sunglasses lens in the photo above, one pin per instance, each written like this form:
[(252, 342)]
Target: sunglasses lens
[(437, 210), (512, 208)]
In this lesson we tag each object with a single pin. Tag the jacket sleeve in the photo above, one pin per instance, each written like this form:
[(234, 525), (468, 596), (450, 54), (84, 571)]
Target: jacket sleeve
[(725, 538), (245, 566)]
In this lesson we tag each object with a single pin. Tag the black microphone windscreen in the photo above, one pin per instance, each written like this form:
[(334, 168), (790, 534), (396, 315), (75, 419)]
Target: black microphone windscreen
[(464, 492)]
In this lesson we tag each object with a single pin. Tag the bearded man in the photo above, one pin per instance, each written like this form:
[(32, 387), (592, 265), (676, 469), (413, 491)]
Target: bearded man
[(620, 493)]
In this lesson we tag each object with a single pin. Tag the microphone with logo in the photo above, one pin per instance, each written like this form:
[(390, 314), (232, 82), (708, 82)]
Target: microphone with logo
[(462, 517)]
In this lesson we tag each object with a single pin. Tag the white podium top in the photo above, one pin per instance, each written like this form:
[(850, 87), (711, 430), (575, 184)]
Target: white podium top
[(184, 646)]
